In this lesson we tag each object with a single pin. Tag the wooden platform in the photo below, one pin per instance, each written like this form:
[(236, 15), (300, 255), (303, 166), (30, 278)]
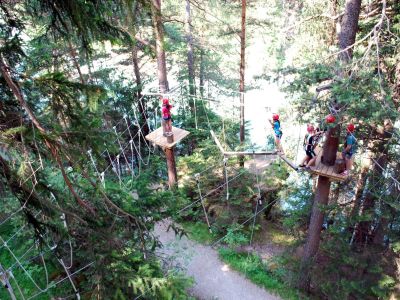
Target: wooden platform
[(157, 137), (327, 171)]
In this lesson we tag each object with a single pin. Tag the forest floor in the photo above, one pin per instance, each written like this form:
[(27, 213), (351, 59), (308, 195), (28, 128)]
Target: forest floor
[(213, 279)]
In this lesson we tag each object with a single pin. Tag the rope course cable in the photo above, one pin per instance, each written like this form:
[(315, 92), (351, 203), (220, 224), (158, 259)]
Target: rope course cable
[(52, 285), (19, 260), (245, 222), (212, 191), (197, 176)]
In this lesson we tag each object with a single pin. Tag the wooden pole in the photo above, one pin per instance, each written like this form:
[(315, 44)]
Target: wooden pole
[(242, 69), (171, 166)]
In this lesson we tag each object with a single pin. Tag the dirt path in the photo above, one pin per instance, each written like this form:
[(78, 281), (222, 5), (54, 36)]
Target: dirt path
[(213, 279)]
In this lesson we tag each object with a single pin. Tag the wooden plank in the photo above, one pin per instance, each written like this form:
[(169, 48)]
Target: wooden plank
[(289, 162), (157, 137), (323, 170), (327, 171)]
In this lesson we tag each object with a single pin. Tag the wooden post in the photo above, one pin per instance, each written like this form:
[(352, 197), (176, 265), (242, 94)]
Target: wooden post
[(241, 83), (171, 166)]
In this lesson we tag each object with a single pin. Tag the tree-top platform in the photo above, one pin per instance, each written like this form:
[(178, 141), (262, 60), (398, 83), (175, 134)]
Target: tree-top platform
[(157, 137), (328, 171)]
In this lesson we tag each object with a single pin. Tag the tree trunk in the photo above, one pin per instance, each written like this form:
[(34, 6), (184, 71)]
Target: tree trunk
[(72, 52), (171, 166), (190, 56), (242, 69), (133, 14), (314, 230), (331, 146), (160, 52), (138, 81), (347, 37), (202, 73), (334, 11), (348, 30), (363, 234)]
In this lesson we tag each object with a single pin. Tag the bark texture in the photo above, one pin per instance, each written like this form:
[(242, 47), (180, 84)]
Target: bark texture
[(242, 73), (314, 230), (190, 55), (348, 30), (160, 52)]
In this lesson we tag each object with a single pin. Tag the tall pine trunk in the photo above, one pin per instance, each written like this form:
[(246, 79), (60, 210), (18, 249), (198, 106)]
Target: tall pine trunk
[(160, 52), (163, 81), (242, 69), (347, 37), (332, 38), (138, 80), (349, 27), (132, 17), (190, 56), (202, 72), (363, 232), (72, 52)]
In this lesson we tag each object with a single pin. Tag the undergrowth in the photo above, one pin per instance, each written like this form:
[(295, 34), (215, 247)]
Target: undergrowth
[(256, 271)]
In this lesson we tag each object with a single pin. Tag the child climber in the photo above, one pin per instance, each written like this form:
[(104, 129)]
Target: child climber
[(166, 117), (308, 144), (349, 149), (276, 126), (311, 140)]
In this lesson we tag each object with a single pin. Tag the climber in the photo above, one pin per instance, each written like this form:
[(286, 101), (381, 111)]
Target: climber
[(166, 117), (349, 149), (276, 126), (310, 142)]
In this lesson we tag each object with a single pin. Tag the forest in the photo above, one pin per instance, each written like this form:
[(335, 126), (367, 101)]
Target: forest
[(199, 149)]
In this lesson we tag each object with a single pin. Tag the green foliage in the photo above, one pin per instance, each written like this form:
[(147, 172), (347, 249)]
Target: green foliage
[(254, 269), (199, 232), (235, 236)]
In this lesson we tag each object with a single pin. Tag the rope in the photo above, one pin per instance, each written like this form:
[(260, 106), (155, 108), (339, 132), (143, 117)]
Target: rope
[(210, 192), (376, 163), (61, 280), (18, 287), (22, 267), (122, 150), (202, 201), (245, 222), (94, 164), (258, 201), (225, 160)]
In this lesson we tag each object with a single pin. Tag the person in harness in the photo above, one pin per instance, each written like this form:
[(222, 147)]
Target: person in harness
[(349, 149), (166, 117), (311, 140), (276, 126)]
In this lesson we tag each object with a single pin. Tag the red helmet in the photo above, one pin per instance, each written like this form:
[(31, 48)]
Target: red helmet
[(165, 101), (275, 117), (310, 128), (330, 118), (350, 127)]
